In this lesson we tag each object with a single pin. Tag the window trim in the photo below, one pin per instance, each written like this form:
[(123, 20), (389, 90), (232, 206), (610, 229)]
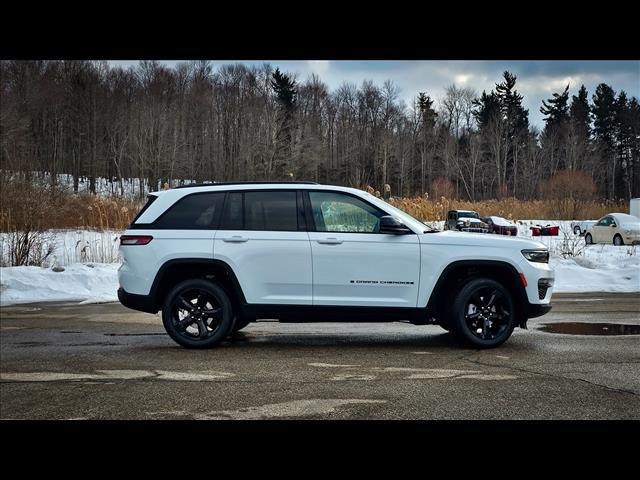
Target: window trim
[(312, 223)]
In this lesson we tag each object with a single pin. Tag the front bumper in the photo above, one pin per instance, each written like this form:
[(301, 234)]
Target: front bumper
[(142, 303), (537, 309)]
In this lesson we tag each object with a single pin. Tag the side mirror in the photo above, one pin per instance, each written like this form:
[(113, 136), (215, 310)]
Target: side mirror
[(613, 225), (389, 224)]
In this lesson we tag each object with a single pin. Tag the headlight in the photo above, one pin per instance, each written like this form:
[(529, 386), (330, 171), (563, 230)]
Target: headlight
[(539, 256)]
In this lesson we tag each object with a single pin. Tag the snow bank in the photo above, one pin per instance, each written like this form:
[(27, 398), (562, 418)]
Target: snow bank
[(90, 283)]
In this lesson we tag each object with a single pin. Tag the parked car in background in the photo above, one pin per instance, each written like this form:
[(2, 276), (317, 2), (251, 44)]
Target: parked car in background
[(500, 225), (465, 221), (616, 228), (580, 227), (545, 230)]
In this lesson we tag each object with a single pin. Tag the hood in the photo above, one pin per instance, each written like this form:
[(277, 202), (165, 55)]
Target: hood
[(451, 237)]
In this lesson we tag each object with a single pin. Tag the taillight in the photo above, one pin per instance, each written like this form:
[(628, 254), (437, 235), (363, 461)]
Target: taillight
[(135, 239)]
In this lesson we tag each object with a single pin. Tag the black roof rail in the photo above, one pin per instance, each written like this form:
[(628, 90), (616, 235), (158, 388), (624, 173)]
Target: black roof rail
[(215, 184)]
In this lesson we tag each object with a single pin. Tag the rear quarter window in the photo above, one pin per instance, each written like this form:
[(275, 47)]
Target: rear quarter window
[(198, 211)]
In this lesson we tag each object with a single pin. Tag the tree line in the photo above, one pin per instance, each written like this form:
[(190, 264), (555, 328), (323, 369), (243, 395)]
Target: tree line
[(237, 122)]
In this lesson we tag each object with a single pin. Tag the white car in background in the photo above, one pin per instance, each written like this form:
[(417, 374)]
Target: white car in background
[(616, 228)]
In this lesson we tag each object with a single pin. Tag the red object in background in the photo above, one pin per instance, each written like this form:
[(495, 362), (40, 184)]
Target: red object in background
[(548, 231)]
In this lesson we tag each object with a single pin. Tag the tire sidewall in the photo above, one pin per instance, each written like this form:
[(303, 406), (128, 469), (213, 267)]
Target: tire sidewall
[(458, 324), (617, 235), (588, 239), (221, 296)]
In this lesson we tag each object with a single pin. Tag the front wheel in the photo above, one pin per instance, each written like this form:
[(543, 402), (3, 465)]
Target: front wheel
[(197, 314), (576, 230), (588, 239), (617, 241), (483, 314)]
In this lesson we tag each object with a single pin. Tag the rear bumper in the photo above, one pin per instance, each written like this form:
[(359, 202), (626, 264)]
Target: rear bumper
[(142, 303)]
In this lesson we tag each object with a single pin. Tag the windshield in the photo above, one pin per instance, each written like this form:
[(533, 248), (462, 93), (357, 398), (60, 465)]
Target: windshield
[(468, 215)]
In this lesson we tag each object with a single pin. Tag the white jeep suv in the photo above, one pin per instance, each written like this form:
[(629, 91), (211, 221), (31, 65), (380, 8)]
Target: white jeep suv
[(215, 257)]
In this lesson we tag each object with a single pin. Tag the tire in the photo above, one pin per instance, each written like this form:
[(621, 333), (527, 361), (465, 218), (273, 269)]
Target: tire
[(617, 240), (588, 239), (577, 231), (483, 314), (208, 307)]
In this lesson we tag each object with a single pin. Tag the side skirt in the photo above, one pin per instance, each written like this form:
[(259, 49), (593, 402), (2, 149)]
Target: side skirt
[(329, 313)]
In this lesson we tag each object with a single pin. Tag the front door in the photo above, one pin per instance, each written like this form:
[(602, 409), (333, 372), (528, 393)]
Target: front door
[(354, 264)]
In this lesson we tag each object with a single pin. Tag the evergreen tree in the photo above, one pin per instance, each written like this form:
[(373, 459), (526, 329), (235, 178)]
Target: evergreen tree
[(579, 152), (556, 109), (487, 109), (286, 92), (603, 111), (624, 144), (554, 135), (428, 121), (579, 112), (516, 126)]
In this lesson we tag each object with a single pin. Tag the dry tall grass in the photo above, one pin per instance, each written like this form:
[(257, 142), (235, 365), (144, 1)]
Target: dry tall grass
[(511, 208), (24, 206)]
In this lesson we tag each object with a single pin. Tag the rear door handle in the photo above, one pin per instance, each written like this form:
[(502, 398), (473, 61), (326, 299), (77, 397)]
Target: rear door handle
[(235, 239), (330, 241)]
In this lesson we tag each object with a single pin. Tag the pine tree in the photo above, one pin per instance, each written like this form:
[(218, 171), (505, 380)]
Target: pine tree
[(428, 119), (603, 111), (554, 135), (556, 109), (286, 92), (516, 126), (579, 138)]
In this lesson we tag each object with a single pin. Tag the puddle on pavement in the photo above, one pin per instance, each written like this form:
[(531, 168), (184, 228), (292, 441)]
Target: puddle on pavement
[(577, 328)]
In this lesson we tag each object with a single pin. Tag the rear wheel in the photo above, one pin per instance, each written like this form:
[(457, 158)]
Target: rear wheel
[(588, 239), (197, 314), (617, 240), (576, 230), (483, 313)]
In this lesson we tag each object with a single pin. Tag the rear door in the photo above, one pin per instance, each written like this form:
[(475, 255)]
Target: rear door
[(262, 236), (354, 264)]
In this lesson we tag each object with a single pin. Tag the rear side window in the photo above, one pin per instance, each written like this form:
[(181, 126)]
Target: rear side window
[(274, 211), (261, 210), (200, 211)]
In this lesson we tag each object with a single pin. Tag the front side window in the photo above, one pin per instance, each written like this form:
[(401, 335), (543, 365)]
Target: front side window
[(337, 212), (606, 221), (200, 211)]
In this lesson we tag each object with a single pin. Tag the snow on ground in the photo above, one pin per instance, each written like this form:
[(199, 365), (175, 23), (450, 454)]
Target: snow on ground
[(87, 282), (90, 261)]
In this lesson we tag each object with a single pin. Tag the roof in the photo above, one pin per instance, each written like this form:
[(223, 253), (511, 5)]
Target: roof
[(215, 184)]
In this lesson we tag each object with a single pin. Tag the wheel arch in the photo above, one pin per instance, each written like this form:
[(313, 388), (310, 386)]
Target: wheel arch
[(178, 269), (457, 273)]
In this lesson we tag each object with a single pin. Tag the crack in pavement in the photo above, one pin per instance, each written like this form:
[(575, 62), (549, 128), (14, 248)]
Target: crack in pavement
[(547, 374)]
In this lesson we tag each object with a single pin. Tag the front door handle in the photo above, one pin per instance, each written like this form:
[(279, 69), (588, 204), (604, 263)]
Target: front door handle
[(235, 239), (330, 241)]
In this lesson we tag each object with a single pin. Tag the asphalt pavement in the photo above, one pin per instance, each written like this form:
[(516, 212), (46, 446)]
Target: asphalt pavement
[(70, 361)]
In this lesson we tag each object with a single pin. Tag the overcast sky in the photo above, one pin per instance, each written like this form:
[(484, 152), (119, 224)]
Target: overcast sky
[(537, 80)]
